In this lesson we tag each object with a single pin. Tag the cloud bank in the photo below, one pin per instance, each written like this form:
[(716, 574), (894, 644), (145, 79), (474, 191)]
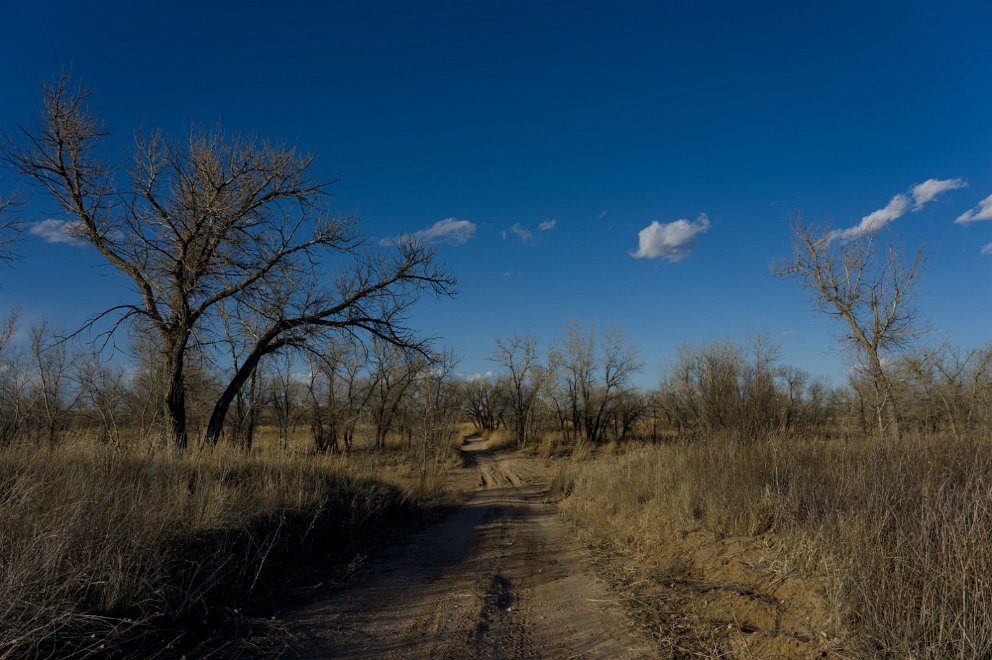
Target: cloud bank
[(981, 212), (898, 206), (449, 230), (58, 231), (671, 241)]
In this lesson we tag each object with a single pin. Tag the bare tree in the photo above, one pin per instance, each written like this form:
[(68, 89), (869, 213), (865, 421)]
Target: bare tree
[(53, 397), (323, 412), (393, 371), (283, 398), (216, 220), (948, 387), (10, 226), (595, 374), (15, 381), (102, 393), (527, 378), (239, 332), (482, 399), (870, 288), (435, 403), (703, 389)]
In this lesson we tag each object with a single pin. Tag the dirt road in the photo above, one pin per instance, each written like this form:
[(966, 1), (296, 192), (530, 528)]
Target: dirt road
[(499, 578)]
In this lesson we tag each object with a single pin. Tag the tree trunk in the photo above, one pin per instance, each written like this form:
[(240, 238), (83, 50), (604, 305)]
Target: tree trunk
[(886, 404), (216, 424), (175, 398)]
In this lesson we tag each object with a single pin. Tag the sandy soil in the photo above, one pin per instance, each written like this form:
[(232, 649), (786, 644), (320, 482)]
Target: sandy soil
[(499, 578)]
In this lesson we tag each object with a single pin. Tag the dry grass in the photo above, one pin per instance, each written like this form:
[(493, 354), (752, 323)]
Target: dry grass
[(101, 546), (898, 538), (500, 438)]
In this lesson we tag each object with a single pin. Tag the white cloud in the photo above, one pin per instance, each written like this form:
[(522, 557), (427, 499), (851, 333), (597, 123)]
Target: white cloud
[(898, 206), (58, 231), (525, 235), (929, 189), (547, 225), (981, 212), (987, 248), (601, 214), (449, 230), (874, 221), (672, 241)]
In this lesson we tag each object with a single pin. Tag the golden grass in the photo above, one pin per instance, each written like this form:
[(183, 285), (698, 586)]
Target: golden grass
[(500, 438), (99, 545), (899, 535)]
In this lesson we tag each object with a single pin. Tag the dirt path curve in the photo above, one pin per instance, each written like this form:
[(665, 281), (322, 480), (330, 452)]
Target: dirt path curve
[(498, 578)]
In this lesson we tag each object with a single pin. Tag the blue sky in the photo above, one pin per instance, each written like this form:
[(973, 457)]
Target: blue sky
[(603, 118)]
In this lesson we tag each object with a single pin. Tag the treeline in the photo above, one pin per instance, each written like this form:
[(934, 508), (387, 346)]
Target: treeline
[(579, 389), (53, 389)]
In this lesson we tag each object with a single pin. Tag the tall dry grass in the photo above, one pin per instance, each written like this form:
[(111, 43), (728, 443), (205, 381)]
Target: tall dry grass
[(101, 547), (904, 530)]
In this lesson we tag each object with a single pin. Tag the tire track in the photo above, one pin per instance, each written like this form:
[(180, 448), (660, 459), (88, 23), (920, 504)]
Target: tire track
[(499, 578)]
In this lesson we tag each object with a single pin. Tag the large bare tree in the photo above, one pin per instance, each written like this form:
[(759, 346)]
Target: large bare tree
[(868, 286), (217, 220)]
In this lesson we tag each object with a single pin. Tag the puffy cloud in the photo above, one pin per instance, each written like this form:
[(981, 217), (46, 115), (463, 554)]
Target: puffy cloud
[(981, 212), (898, 206), (929, 189), (672, 241), (525, 235), (449, 230), (547, 225), (58, 231)]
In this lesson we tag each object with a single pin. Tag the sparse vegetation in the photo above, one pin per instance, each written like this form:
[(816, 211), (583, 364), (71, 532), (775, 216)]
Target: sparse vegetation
[(109, 550), (893, 535)]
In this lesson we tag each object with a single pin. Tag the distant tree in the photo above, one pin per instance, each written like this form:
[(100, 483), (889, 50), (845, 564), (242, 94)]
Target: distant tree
[(102, 391), (871, 289), (702, 391), (594, 373), (217, 220), (283, 397), (527, 378), (483, 400), (947, 387), (53, 396), (392, 372), (15, 384), (434, 409)]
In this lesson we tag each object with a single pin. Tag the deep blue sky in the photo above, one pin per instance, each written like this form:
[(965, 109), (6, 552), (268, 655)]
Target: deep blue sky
[(602, 117)]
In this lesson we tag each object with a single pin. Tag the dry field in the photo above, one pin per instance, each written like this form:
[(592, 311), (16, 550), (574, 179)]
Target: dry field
[(782, 548), (109, 551), (773, 548)]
